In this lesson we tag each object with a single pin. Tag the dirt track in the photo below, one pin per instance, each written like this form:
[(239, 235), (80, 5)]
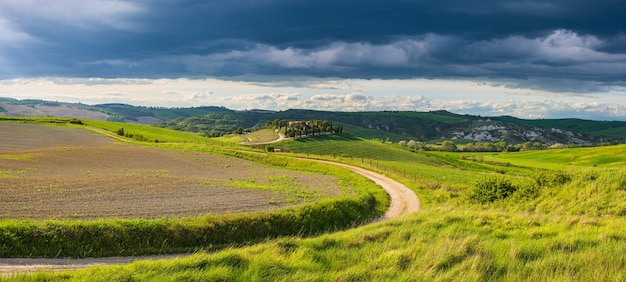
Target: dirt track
[(403, 199)]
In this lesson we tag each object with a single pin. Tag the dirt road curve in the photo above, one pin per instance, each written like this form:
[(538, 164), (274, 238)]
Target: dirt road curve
[(403, 201)]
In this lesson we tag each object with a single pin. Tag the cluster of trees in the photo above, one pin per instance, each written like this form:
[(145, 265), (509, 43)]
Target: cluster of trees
[(416, 145), (502, 146), (137, 137), (304, 128)]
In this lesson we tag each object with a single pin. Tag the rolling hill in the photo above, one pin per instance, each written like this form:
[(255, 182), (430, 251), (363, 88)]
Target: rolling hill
[(392, 125), (110, 112), (423, 126)]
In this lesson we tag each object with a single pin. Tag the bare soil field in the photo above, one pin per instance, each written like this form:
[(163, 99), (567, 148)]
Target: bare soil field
[(66, 173), (55, 111)]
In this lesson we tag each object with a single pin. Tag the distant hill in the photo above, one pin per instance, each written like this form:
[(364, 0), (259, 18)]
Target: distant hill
[(406, 125), (29, 108), (615, 129), (110, 112), (392, 125), (150, 115)]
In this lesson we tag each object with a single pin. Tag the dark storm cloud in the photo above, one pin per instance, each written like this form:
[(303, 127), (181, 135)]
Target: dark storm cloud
[(577, 40)]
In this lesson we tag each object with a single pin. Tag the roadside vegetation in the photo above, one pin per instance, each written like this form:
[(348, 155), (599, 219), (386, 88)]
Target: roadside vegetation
[(548, 215)]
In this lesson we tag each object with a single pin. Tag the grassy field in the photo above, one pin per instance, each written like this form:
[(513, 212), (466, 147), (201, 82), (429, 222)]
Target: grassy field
[(259, 136), (150, 133), (613, 156), (105, 198), (531, 216)]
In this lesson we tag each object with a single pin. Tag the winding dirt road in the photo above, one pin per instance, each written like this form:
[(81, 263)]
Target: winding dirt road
[(403, 201)]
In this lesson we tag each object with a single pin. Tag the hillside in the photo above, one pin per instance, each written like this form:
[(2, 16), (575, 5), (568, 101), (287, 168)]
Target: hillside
[(601, 128), (110, 112), (149, 115), (32, 108), (423, 126), (383, 125)]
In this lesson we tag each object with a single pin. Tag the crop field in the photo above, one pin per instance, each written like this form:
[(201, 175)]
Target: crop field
[(43, 110), (52, 172)]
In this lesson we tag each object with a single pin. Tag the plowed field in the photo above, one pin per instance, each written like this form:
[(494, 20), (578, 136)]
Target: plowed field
[(55, 172)]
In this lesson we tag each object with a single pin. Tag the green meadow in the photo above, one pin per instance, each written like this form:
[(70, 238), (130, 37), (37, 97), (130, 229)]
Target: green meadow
[(552, 215)]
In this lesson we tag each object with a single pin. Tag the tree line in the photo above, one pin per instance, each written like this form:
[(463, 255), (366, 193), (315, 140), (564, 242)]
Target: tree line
[(501, 146), (297, 129)]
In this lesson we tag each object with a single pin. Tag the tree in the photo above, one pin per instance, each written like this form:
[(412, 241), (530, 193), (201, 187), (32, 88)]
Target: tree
[(448, 146), (421, 146), (490, 190), (469, 147), (411, 144), (527, 146), (502, 146)]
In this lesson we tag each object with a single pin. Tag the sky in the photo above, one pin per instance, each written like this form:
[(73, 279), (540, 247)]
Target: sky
[(526, 58)]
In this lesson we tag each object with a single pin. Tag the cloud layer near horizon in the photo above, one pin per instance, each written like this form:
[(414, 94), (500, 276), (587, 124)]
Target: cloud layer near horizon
[(333, 95), (551, 46)]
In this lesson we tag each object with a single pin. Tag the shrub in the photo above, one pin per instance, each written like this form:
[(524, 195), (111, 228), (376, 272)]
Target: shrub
[(551, 179), (492, 189)]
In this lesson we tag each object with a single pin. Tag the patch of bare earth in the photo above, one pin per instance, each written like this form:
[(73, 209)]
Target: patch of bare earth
[(54, 172), (55, 111)]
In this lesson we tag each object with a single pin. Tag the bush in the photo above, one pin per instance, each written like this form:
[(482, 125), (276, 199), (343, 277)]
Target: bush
[(551, 179), (493, 189)]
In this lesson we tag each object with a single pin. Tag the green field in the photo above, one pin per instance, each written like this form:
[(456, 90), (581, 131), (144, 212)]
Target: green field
[(554, 215), (611, 156)]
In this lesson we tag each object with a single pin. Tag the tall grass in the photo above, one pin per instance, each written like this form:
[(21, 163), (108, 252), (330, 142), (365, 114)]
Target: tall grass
[(119, 237), (434, 245), (558, 223)]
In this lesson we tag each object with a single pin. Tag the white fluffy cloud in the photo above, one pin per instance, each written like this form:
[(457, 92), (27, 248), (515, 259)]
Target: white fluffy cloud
[(464, 97), (559, 47)]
